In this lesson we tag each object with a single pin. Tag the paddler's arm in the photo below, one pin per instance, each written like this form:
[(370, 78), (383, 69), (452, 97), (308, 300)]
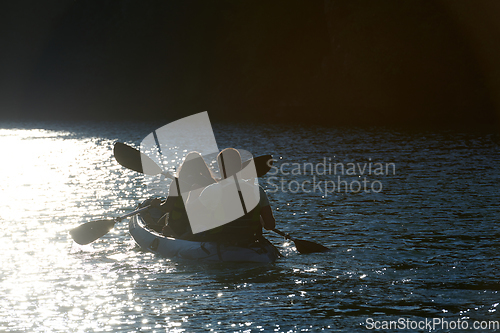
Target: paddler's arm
[(266, 213), (165, 206), (267, 218)]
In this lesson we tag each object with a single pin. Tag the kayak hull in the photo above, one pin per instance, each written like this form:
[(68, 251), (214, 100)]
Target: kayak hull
[(168, 247)]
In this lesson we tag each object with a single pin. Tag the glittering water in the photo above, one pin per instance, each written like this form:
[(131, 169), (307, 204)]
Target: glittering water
[(425, 246)]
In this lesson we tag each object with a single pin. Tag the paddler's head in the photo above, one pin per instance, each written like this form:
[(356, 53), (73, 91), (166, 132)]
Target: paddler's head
[(194, 171), (229, 161)]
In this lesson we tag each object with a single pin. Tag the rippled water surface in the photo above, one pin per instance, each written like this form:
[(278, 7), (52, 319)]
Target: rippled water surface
[(424, 246)]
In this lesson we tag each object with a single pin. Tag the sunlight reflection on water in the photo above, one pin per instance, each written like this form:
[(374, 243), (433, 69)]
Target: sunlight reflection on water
[(409, 251)]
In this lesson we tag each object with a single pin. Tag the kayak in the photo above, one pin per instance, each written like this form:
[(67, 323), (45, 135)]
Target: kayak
[(261, 251)]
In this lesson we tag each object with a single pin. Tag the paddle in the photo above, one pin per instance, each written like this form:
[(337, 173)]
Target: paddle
[(303, 246), (262, 164), (133, 159), (90, 231)]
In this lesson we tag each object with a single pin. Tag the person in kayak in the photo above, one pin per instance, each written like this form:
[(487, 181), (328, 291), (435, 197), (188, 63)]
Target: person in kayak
[(220, 201), (194, 176)]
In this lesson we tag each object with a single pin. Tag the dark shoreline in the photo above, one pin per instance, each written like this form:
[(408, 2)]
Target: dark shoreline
[(410, 64)]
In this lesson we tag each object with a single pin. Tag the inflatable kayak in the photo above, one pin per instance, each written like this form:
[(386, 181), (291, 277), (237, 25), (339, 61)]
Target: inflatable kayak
[(260, 251)]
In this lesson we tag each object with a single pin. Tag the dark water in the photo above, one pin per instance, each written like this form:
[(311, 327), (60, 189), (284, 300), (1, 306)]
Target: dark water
[(425, 246)]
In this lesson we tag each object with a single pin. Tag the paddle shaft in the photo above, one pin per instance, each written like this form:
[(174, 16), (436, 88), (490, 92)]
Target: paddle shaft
[(303, 246), (281, 233), (135, 212)]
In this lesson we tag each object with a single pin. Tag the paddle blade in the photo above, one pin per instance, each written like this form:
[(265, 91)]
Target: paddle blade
[(90, 231), (133, 159), (262, 164), (305, 247)]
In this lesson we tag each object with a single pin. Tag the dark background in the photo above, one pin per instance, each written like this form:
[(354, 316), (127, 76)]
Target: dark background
[(394, 63)]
